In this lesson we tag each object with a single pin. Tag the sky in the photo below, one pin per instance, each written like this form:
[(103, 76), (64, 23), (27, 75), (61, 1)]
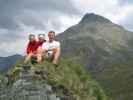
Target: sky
[(19, 18)]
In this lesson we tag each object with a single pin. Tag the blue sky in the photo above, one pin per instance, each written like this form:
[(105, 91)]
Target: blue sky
[(18, 18)]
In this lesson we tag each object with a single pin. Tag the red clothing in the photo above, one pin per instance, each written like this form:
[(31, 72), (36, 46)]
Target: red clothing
[(39, 43), (33, 46)]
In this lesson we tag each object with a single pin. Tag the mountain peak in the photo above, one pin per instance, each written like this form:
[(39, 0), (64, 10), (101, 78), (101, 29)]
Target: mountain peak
[(91, 17)]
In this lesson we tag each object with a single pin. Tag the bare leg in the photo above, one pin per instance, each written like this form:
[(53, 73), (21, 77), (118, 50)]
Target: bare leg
[(56, 56), (39, 55), (28, 58)]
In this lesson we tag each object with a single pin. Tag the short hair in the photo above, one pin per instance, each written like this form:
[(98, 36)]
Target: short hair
[(52, 32), (31, 35)]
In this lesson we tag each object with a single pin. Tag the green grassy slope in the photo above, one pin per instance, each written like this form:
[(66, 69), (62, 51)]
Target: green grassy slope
[(117, 80), (68, 75)]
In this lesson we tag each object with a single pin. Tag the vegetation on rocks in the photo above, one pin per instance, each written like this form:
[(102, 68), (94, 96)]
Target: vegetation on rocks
[(68, 80)]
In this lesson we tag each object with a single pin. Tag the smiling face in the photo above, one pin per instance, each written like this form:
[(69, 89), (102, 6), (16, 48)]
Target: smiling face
[(41, 37), (51, 35)]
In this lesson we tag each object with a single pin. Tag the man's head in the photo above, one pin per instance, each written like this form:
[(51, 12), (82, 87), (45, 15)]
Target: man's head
[(32, 37), (41, 37), (51, 35)]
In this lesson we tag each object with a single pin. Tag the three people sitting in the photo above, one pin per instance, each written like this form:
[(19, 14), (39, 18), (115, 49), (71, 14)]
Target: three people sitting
[(43, 49)]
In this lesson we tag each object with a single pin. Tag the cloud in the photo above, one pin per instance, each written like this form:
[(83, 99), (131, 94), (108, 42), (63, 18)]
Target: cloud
[(118, 11), (125, 2), (32, 12), (128, 19), (106, 8), (19, 17)]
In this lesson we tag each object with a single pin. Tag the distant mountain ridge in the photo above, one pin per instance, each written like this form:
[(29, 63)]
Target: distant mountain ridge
[(7, 62)]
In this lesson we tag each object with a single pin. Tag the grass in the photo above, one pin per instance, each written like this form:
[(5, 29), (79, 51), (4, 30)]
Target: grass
[(117, 80), (69, 76)]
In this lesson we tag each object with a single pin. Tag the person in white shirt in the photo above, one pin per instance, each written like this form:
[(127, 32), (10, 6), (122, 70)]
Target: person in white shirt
[(50, 49)]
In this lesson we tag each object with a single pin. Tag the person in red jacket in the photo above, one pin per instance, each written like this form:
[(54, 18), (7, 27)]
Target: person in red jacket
[(33, 46)]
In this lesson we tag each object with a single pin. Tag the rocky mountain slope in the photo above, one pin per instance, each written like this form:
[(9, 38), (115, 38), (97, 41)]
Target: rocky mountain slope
[(105, 49)]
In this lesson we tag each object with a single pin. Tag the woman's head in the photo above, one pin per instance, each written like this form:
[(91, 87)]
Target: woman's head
[(31, 37), (41, 37)]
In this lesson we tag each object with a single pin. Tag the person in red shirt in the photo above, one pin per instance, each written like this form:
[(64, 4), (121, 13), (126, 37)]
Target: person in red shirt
[(33, 46)]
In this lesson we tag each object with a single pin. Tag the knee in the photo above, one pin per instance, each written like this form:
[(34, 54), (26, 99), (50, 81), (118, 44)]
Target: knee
[(30, 55), (39, 51)]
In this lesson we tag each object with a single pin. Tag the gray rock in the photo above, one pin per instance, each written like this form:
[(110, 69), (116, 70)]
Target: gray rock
[(27, 89)]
